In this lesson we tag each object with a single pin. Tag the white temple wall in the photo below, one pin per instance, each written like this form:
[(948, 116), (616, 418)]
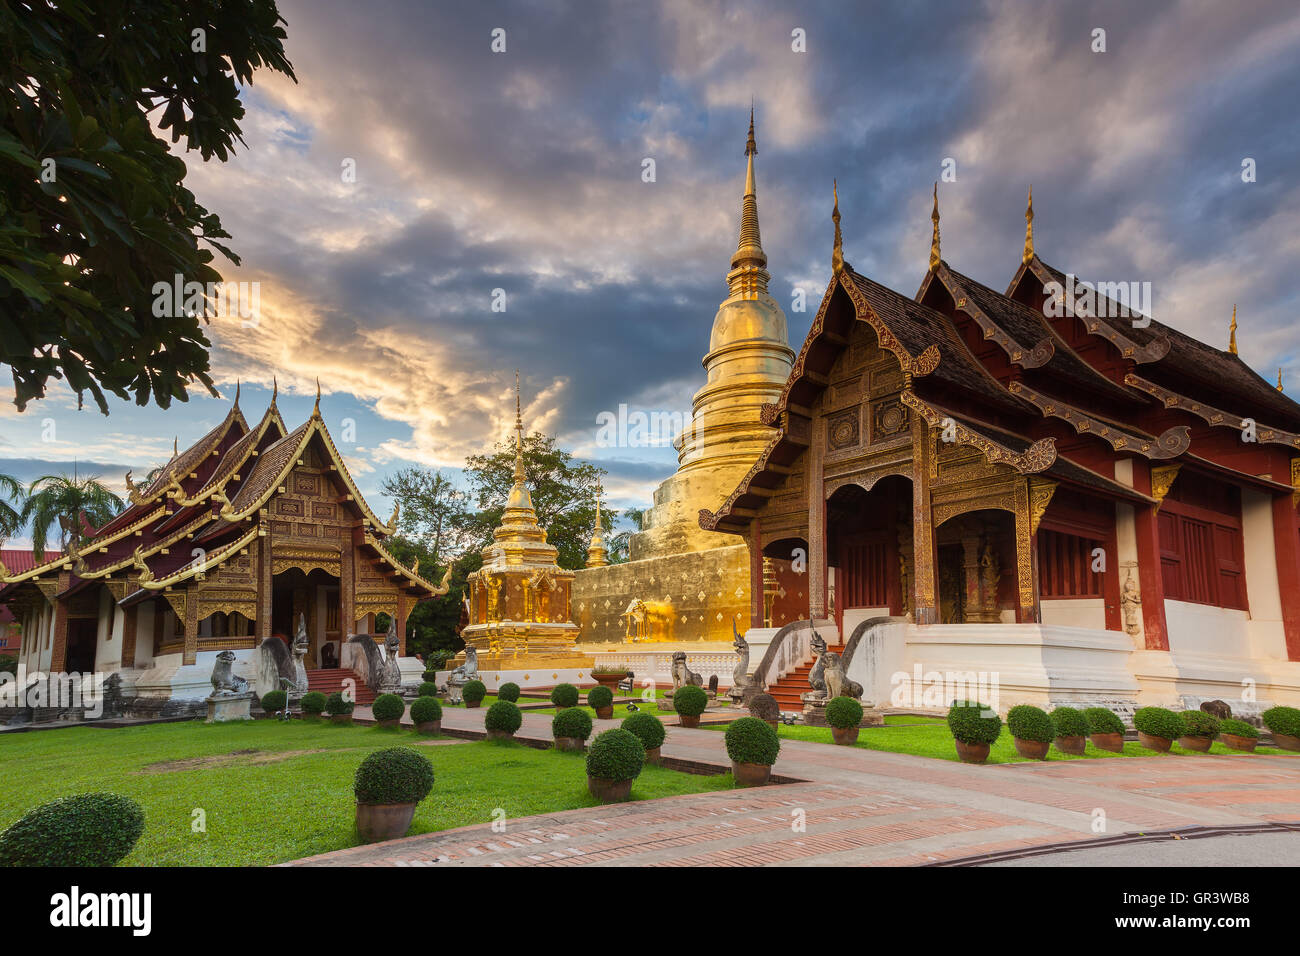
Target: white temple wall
[(1075, 612)]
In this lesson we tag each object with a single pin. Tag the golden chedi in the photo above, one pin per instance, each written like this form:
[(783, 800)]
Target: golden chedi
[(519, 600)]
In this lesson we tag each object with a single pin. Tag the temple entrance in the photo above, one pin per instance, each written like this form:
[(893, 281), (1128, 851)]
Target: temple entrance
[(977, 567), (869, 540), (82, 633), (315, 596)]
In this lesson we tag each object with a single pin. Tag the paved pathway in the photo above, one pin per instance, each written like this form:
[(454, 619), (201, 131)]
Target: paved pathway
[(860, 807)]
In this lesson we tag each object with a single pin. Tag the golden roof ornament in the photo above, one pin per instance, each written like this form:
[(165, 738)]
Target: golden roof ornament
[(275, 390), (315, 410), (837, 250), (1232, 332), (133, 492), (1279, 379), (1029, 228), (934, 239), (236, 405)]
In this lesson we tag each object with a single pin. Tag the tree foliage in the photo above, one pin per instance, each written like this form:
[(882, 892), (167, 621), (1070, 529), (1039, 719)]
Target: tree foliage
[(67, 503), (93, 210)]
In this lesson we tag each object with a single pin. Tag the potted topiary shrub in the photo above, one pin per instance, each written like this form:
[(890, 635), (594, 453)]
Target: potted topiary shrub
[(1157, 728), (502, 720), (273, 702), (752, 746), (388, 786), (609, 676), (388, 710), (649, 729), (313, 705), (339, 709), (844, 714), (1284, 724), (87, 829), (473, 693), (1071, 731), (601, 699), (509, 692), (571, 727), (1032, 731), (613, 762), (973, 727), (426, 714), (1105, 729), (1238, 735), (689, 702), (427, 689), (1199, 730), (564, 695)]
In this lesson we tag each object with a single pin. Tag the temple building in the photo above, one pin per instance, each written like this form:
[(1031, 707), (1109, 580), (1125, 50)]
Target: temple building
[(238, 536), (1036, 483), (684, 583)]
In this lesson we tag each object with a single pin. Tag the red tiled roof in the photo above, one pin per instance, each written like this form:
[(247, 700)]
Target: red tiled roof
[(18, 560)]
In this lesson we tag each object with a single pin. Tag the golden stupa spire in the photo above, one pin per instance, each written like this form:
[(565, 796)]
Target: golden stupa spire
[(748, 275), (837, 251), (934, 240), (519, 434), (1029, 228), (597, 553), (1232, 332)]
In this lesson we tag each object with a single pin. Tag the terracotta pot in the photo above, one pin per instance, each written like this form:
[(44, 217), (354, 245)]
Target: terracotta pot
[(1286, 741), (609, 791), (340, 718), (500, 735), (751, 774), (429, 727), (972, 753), (845, 736), (609, 680), (1234, 742), (1076, 745), (652, 756), (1112, 742), (685, 721), (1201, 744), (473, 704), (570, 743), (391, 723), (605, 713), (383, 821), (1031, 749), (1161, 744)]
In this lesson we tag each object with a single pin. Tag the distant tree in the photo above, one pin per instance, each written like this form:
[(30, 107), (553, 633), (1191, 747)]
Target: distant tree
[(432, 509), (431, 625), (620, 545), (11, 503), (92, 208), (57, 501)]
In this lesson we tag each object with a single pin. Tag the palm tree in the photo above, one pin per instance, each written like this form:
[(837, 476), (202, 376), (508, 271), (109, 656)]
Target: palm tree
[(60, 501), (11, 503)]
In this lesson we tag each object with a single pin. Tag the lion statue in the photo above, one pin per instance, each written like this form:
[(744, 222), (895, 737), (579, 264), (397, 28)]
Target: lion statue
[(683, 675), (225, 683)]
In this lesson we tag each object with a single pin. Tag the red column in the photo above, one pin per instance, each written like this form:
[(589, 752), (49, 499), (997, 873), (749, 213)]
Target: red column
[(1110, 579), (1286, 541), (1150, 581)]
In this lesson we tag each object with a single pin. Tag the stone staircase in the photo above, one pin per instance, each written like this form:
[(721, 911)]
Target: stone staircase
[(788, 689), (331, 681)]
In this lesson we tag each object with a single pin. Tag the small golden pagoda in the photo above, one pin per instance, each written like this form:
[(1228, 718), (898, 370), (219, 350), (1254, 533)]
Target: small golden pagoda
[(519, 600)]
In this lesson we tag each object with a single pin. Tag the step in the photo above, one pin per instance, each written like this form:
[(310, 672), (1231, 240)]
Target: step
[(330, 680)]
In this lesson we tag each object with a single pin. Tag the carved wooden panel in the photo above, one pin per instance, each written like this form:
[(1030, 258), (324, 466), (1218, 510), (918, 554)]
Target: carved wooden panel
[(843, 428), (890, 418)]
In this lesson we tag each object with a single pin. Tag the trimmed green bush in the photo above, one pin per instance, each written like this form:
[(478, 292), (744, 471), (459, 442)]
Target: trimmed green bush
[(1028, 722), (571, 722), (313, 702), (564, 695), (388, 707), (474, 691), (430, 676), (600, 696), (509, 691), (87, 829), (648, 728), (1197, 723), (1103, 721), (427, 689), (393, 775), (425, 709), (1069, 722), (968, 723), (844, 712), (503, 715), (1158, 722), (274, 700), (690, 701), (750, 740), (616, 755), (1282, 720), (1238, 728), (337, 706)]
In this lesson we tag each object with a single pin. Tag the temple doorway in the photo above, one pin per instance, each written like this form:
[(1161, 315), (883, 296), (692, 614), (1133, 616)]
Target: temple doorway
[(977, 567), (82, 634), (869, 538), (315, 596)]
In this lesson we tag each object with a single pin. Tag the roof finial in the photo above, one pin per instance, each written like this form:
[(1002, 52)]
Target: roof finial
[(1232, 332), (315, 411), (934, 240), (236, 405), (837, 251), (275, 389), (1279, 378), (175, 445), (1029, 228)]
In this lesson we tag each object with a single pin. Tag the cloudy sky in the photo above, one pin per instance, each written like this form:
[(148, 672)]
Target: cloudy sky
[(521, 171)]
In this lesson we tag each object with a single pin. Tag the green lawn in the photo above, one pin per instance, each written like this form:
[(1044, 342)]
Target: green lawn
[(289, 793), (930, 737)]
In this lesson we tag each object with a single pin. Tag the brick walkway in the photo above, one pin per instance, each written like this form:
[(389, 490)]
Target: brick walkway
[(859, 807)]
